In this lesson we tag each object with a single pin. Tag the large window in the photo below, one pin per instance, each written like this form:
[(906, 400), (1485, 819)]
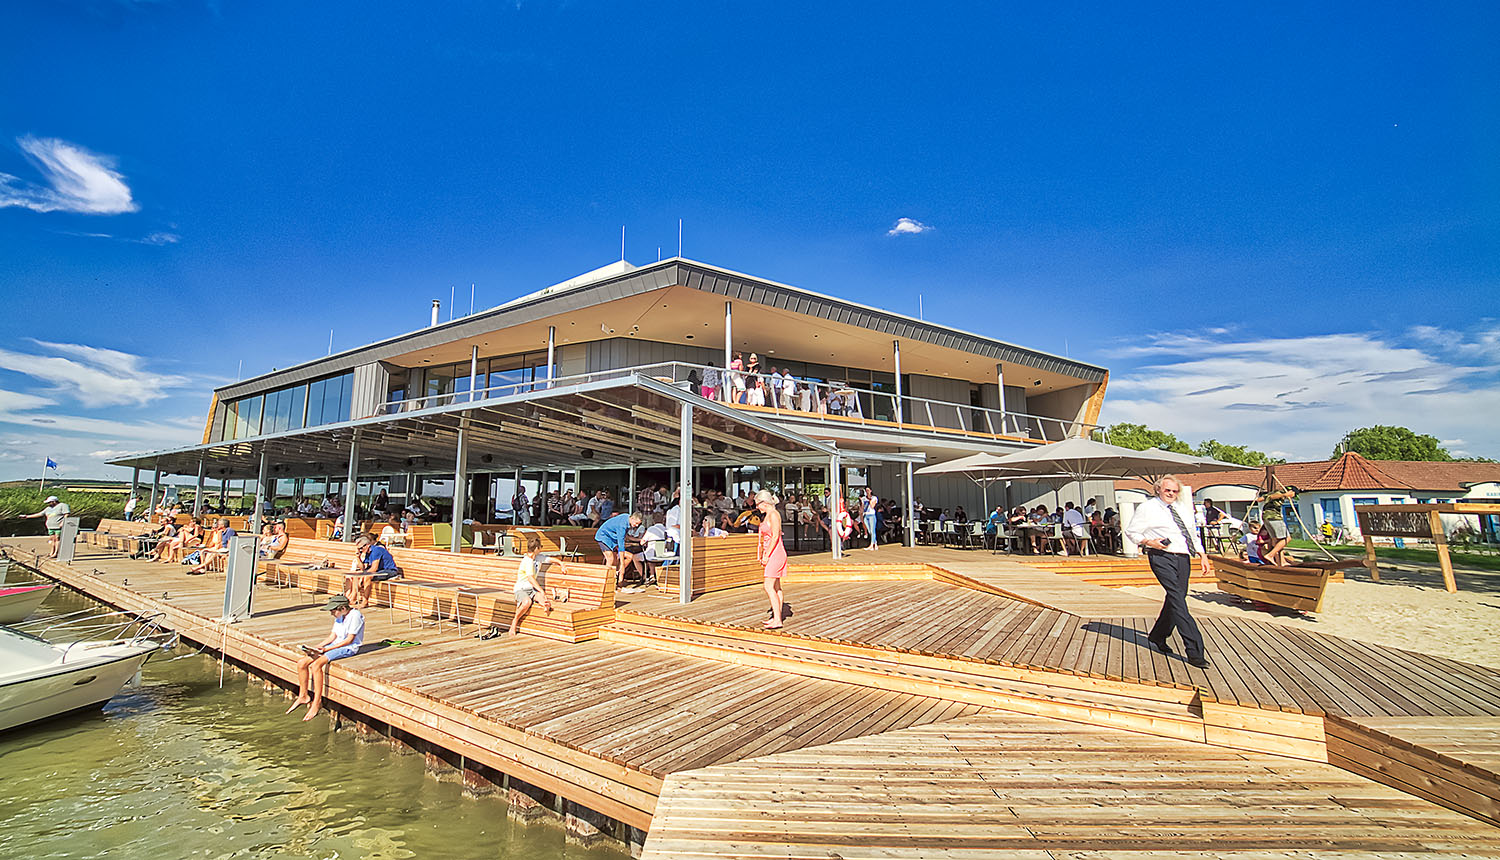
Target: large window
[(323, 402), (328, 400)]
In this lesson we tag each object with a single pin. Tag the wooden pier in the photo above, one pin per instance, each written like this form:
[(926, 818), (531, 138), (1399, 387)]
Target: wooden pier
[(966, 708)]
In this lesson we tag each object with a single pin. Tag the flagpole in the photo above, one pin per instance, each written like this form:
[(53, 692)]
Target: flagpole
[(43, 485)]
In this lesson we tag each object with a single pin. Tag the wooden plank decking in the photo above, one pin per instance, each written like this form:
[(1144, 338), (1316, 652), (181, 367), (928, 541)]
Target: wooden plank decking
[(903, 712), (999, 786)]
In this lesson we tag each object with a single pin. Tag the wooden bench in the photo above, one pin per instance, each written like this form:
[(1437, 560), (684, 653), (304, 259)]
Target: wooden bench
[(719, 563), (117, 535), (1299, 588), (467, 588)]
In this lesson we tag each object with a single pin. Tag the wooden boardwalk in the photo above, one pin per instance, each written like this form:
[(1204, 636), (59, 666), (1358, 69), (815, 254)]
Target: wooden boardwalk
[(942, 704), (994, 786)]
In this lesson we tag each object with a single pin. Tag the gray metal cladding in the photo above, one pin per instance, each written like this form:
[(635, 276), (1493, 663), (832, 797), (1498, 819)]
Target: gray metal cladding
[(654, 277)]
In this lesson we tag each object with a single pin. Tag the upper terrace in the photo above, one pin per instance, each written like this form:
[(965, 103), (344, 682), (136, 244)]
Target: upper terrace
[(896, 376)]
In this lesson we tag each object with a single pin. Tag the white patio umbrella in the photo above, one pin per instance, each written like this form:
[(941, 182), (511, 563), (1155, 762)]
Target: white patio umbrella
[(980, 468), (1084, 459)]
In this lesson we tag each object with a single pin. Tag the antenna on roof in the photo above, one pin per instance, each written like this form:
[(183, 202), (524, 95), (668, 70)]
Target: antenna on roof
[(658, 253), (919, 307), (330, 341), (679, 237), (471, 298), (452, 291), (622, 243)]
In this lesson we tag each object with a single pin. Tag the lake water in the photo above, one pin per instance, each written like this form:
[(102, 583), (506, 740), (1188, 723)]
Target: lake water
[(179, 767)]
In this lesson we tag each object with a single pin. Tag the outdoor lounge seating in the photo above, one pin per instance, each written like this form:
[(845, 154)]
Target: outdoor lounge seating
[(465, 588)]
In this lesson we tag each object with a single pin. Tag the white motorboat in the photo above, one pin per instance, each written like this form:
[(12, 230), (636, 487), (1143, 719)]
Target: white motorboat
[(19, 601), (41, 679)]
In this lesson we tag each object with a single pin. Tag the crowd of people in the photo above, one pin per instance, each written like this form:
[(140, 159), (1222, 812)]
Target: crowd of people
[(746, 381)]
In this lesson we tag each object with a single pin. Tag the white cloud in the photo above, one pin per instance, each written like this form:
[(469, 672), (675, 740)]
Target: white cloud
[(97, 377), (80, 444), (159, 238), (74, 180), (908, 227), (1298, 396)]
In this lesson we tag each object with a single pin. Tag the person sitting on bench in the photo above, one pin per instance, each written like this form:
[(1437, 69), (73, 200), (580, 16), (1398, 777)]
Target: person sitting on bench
[(275, 542), (372, 562), (214, 549)]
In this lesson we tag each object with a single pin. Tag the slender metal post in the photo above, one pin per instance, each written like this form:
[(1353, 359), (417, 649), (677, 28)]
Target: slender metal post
[(197, 494), (224, 494), (515, 515), (155, 485), (473, 373), (1000, 380), (685, 531), (135, 481), (911, 508), (631, 505), (728, 333), (835, 503), (260, 495), (460, 476), (551, 353), (351, 489), (896, 345)]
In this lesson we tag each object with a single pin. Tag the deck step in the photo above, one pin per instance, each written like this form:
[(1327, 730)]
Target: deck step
[(1166, 711)]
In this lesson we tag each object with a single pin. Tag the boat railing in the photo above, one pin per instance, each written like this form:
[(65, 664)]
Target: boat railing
[(88, 625)]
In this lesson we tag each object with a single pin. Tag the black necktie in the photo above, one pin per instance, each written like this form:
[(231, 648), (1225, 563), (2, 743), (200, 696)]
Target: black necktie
[(1181, 526)]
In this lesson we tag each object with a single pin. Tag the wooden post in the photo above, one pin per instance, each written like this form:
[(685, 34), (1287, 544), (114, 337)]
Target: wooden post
[(1370, 559), (1440, 540)]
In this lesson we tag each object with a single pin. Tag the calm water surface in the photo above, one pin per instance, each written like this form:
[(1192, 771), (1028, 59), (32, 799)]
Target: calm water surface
[(179, 767)]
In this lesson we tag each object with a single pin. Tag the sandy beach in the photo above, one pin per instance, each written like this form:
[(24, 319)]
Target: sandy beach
[(1408, 608)]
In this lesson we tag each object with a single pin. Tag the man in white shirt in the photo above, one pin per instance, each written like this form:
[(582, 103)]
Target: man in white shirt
[(1075, 528), (1160, 527)]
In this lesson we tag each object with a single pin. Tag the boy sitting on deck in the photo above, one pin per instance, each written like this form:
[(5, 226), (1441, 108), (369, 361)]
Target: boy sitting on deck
[(343, 640)]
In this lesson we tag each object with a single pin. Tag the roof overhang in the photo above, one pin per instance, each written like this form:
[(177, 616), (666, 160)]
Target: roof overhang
[(606, 423), (626, 295)]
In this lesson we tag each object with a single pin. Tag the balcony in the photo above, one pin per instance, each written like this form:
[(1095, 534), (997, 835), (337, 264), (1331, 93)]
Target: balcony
[(828, 403)]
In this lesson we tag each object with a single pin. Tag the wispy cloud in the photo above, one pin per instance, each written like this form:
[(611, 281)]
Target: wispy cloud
[(1299, 395), (158, 238), (93, 375), (73, 180), (908, 227)]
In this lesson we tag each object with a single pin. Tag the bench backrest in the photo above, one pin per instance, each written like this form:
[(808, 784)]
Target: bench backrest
[(590, 586), (121, 527)]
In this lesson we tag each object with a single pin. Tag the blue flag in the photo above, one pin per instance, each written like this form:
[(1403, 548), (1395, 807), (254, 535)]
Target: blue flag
[(51, 464)]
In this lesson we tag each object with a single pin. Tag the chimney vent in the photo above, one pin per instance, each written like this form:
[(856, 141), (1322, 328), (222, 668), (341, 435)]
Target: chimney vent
[(436, 305)]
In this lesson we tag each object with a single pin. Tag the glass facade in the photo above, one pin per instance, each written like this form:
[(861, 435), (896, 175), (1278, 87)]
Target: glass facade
[(322, 402)]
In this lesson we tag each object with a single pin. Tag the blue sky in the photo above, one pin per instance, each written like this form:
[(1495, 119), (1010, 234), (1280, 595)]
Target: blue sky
[(1272, 223)]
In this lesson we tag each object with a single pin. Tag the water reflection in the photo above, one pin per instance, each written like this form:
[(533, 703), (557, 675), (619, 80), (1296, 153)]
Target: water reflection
[(179, 767)]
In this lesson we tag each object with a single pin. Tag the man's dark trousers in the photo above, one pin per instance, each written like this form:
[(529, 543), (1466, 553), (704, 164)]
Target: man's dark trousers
[(1172, 571)]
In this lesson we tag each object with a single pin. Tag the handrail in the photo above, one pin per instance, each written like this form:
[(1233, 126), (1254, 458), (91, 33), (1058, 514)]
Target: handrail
[(816, 399)]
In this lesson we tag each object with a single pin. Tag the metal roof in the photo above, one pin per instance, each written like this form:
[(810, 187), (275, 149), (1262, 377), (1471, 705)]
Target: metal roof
[(596, 424), (668, 273)]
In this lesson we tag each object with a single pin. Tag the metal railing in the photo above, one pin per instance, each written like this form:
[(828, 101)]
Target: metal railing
[(815, 399)]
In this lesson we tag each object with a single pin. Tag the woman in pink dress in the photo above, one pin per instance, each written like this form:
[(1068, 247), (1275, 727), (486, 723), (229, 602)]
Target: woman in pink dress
[(771, 552)]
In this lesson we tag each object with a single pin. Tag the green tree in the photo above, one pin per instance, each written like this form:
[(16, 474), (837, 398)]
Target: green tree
[(1235, 454), (1140, 437), (1383, 442)]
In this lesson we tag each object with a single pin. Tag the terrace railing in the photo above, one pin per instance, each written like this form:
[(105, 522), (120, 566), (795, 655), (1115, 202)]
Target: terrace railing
[(813, 399)]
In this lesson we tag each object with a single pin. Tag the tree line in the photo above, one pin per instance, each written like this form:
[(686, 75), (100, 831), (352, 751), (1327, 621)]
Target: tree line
[(1380, 442)]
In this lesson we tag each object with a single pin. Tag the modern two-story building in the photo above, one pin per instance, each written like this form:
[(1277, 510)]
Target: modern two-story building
[(592, 379)]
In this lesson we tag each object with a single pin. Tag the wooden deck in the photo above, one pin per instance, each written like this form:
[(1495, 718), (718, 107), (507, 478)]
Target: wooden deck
[(995, 786), (956, 707)]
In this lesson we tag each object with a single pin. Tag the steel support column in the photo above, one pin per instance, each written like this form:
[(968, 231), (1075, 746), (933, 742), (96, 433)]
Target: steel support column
[(473, 374), (460, 490), (198, 493), (351, 489), (260, 495), (835, 503), (630, 506), (155, 486), (551, 353), (911, 509), (900, 410), (1000, 380), (685, 541), (728, 341)]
